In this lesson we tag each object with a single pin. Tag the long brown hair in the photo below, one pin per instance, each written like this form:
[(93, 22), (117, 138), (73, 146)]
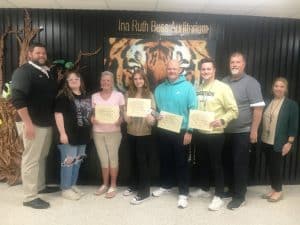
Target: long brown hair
[(132, 90), (66, 90)]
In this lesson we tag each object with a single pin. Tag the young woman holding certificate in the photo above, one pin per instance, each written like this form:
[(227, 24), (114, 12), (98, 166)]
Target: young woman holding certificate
[(108, 105), (139, 135), (280, 125)]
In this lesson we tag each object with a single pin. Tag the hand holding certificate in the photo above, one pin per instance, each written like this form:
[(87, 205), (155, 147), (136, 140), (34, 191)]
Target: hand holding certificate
[(201, 120), (170, 121), (138, 107), (107, 114)]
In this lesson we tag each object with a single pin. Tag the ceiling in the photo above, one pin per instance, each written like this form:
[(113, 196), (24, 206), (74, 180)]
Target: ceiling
[(268, 8)]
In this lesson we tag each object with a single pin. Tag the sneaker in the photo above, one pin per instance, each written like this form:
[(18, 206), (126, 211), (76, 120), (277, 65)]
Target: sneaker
[(77, 190), (216, 204), (37, 204), (138, 200), (128, 191), (236, 203), (182, 201), (227, 194), (159, 192), (49, 189), (70, 194), (199, 193)]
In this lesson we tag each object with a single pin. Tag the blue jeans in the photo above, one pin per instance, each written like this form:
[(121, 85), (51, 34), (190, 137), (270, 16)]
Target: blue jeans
[(71, 158)]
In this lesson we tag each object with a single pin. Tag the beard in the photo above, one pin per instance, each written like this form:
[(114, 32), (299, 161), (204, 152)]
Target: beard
[(234, 71), (40, 62)]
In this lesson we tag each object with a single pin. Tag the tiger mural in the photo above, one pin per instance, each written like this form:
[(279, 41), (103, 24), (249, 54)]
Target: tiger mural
[(125, 55)]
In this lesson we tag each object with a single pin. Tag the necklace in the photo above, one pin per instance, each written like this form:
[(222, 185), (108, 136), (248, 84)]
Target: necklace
[(273, 109)]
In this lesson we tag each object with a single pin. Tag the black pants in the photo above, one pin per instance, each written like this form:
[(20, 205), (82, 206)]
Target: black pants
[(236, 163), (140, 150), (274, 161), (209, 149), (173, 160)]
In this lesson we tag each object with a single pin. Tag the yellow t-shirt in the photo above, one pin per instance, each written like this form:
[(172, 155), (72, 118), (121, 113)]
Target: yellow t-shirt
[(217, 97)]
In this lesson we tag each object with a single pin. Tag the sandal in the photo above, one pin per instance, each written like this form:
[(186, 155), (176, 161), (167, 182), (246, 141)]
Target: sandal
[(102, 189), (267, 196), (272, 199), (112, 192)]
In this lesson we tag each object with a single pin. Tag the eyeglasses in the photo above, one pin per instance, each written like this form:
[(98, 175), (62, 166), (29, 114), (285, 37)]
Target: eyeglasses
[(74, 79)]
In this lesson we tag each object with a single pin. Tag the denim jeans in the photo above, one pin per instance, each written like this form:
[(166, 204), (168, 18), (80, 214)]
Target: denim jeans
[(71, 158)]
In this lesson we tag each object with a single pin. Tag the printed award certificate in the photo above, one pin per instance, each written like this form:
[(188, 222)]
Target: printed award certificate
[(170, 121), (138, 107)]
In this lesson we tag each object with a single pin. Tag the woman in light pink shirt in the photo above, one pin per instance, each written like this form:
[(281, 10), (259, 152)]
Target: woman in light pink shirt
[(107, 136)]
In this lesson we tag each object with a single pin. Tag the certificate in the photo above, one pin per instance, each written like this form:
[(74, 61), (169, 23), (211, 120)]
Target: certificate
[(138, 107), (170, 121), (107, 114), (201, 119)]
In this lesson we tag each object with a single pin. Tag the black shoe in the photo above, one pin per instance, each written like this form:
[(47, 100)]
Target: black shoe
[(49, 189), (236, 203), (37, 204), (138, 200), (227, 194)]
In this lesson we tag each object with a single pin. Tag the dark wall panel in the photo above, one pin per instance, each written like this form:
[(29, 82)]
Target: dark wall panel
[(271, 45)]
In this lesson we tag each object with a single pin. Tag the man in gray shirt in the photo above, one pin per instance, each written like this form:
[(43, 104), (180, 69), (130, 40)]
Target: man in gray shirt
[(242, 131)]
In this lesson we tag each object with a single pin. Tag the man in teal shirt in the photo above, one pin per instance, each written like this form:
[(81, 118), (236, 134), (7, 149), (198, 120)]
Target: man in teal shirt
[(175, 95)]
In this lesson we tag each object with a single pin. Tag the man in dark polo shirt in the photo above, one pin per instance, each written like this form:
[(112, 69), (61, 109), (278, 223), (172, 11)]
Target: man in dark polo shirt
[(33, 93), (242, 131)]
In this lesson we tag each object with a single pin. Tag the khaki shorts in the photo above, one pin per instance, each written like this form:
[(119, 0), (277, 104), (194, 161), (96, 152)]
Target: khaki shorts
[(107, 145)]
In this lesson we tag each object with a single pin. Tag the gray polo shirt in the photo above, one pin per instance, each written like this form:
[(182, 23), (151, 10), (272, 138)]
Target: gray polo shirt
[(247, 93)]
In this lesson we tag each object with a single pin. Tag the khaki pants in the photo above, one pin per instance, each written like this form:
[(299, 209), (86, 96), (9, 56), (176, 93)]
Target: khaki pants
[(19, 126), (34, 162)]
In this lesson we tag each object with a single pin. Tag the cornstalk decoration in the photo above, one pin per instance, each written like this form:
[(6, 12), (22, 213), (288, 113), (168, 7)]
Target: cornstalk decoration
[(28, 33), (11, 146), (2, 40)]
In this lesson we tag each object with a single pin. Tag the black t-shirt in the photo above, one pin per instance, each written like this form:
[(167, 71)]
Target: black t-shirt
[(76, 114)]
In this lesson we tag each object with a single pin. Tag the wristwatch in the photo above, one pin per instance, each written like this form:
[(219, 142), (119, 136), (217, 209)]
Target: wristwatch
[(291, 142)]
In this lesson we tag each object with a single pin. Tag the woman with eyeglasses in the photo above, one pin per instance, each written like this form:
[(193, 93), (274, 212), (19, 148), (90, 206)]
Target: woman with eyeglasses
[(72, 116)]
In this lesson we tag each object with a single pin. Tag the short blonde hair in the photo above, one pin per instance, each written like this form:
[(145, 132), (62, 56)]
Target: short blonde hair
[(107, 73)]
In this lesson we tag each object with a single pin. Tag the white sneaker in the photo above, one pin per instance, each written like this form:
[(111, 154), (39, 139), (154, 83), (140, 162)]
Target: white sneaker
[(77, 190), (182, 201), (199, 193), (216, 204), (159, 192), (128, 192), (70, 194)]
